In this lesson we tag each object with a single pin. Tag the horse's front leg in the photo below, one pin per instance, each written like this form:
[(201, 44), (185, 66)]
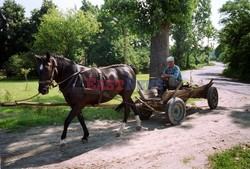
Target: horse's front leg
[(84, 127), (67, 121)]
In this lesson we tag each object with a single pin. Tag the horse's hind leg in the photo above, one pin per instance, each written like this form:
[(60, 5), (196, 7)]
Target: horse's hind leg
[(137, 118), (125, 118), (84, 127)]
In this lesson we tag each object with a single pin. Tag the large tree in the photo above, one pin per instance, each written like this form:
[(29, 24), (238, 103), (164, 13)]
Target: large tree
[(235, 37), (12, 21), (154, 18)]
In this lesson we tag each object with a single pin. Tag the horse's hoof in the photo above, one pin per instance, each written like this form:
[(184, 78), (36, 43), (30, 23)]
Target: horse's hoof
[(85, 140), (62, 143), (118, 134), (138, 128)]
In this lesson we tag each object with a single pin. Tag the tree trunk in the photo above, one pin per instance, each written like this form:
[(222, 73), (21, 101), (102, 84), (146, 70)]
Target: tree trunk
[(159, 51)]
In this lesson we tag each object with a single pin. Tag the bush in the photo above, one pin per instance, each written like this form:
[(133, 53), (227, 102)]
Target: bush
[(17, 62)]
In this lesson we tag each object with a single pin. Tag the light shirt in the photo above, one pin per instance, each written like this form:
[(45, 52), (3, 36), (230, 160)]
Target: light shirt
[(175, 71)]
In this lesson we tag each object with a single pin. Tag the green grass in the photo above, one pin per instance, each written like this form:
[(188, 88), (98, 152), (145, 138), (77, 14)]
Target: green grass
[(235, 158), (23, 117)]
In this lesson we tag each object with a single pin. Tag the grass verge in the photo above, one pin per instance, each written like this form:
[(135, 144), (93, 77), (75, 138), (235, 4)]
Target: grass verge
[(237, 157)]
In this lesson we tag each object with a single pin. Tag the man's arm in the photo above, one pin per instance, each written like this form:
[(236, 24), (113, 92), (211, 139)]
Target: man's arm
[(166, 75), (175, 75), (176, 72)]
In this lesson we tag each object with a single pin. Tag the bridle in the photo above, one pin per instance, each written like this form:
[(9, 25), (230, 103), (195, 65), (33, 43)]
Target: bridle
[(54, 70)]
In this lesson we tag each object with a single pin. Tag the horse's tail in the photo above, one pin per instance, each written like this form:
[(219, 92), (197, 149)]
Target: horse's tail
[(120, 107), (134, 68)]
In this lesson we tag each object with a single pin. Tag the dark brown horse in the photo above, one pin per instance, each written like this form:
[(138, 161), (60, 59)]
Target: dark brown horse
[(83, 86)]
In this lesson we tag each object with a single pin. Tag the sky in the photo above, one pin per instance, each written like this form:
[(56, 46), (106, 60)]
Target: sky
[(29, 5)]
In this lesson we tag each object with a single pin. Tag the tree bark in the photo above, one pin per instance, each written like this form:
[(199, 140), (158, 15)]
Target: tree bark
[(159, 51)]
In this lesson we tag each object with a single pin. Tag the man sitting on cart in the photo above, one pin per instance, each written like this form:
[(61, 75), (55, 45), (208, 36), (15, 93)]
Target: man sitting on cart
[(171, 75)]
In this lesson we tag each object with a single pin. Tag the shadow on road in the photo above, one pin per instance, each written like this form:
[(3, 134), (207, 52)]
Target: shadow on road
[(242, 117), (209, 74), (40, 146)]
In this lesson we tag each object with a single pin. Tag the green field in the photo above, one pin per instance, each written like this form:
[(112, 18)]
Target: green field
[(23, 117)]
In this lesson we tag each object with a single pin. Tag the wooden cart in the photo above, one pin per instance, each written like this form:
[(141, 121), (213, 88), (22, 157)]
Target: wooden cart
[(172, 102)]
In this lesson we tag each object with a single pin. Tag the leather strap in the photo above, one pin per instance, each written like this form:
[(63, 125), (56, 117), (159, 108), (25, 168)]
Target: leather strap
[(101, 81)]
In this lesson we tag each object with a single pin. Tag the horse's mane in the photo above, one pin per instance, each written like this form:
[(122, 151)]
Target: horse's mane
[(63, 59)]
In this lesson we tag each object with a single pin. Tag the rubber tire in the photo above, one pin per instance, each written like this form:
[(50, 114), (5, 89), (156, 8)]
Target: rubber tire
[(144, 114), (173, 105), (212, 97)]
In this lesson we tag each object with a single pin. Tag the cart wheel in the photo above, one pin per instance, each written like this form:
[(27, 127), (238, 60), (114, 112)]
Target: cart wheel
[(212, 97), (175, 111), (144, 114)]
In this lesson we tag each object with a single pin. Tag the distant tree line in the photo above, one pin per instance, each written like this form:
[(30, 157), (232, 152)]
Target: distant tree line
[(132, 32)]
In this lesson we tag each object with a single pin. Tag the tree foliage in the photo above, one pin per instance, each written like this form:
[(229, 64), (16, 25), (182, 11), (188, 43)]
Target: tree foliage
[(202, 29), (132, 31), (88, 7), (235, 37), (108, 46), (190, 36), (12, 23), (64, 34), (37, 14)]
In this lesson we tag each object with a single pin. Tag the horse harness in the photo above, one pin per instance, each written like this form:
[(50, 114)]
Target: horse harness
[(75, 77)]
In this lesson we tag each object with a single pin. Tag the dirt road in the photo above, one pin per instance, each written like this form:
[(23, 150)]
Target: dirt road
[(207, 73), (161, 146)]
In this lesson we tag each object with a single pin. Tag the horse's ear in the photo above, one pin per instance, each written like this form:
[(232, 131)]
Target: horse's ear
[(48, 56), (38, 58)]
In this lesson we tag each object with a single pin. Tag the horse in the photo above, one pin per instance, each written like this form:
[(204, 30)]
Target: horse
[(83, 86)]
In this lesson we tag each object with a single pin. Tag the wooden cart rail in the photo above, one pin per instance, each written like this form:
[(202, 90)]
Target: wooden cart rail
[(185, 94)]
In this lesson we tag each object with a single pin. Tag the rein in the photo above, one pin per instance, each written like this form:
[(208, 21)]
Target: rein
[(27, 98)]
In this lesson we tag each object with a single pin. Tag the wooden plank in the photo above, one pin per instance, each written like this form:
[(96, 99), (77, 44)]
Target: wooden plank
[(14, 104), (146, 94), (151, 108), (171, 93), (185, 94)]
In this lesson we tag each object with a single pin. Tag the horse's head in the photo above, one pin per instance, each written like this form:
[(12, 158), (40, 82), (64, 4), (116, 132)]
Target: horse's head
[(47, 72)]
